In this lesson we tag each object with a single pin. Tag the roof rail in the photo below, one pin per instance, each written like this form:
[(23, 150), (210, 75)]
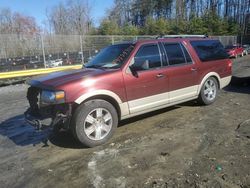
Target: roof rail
[(181, 36)]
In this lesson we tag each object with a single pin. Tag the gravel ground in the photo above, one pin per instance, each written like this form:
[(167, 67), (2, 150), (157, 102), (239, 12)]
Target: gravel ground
[(182, 146)]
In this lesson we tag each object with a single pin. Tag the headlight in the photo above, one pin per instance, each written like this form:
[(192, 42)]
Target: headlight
[(52, 97)]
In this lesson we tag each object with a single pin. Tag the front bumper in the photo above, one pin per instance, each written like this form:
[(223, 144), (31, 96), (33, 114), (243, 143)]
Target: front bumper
[(42, 122), (41, 116), (37, 121)]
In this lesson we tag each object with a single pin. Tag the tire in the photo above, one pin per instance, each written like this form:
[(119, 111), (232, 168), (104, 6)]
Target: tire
[(89, 125), (209, 91)]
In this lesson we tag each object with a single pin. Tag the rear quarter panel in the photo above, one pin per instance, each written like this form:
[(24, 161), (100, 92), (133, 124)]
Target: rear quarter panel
[(220, 67)]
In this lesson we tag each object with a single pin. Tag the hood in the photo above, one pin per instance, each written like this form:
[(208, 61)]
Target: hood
[(56, 79)]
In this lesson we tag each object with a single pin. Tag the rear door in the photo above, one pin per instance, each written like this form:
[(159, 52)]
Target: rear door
[(182, 72)]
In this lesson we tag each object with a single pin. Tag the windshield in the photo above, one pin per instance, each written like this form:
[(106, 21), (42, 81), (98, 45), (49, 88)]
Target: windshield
[(111, 57)]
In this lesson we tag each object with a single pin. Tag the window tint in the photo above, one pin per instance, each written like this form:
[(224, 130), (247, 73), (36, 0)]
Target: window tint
[(147, 57), (174, 53), (209, 50)]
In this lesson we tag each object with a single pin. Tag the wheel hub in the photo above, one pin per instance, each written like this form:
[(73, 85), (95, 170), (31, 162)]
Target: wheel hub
[(98, 124), (210, 90)]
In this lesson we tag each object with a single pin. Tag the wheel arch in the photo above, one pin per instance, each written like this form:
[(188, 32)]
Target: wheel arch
[(108, 99), (108, 96), (210, 74)]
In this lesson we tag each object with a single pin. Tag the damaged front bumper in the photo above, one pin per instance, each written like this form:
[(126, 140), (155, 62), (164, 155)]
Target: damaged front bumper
[(40, 122), (42, 116), (37, 122)]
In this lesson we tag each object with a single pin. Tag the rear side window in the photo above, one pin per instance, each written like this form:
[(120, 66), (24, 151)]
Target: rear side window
[(174, 53), (209, 50), (188, 58), (148, 57)]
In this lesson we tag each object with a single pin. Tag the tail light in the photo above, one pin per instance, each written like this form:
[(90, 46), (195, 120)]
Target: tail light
[(229, 65)]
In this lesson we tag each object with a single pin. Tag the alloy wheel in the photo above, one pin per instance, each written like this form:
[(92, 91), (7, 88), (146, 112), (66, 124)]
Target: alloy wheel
[(98, 124)]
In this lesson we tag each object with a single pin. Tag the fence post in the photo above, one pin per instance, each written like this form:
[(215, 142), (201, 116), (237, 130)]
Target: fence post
[(112, 38), (44, 59), (81, 49)]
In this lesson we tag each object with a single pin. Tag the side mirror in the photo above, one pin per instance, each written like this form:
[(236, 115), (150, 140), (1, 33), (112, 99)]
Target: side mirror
[(145, 65), (133, 70)]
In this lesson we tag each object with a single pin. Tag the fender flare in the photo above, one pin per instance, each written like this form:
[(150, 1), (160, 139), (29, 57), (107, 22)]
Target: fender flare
[(214, 74), (85, 96), (124, 109)]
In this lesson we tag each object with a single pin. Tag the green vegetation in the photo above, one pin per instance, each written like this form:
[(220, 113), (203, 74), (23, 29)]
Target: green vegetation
[(158, 17)]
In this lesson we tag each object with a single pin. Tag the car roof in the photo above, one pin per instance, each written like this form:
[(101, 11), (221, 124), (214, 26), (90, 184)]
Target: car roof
[(166, 39), (177, 39)]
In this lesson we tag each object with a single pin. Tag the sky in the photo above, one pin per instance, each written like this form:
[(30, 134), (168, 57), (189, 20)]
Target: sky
[(37, 8)]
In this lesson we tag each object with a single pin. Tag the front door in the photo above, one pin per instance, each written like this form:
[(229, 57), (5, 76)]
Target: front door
[(148, 88)]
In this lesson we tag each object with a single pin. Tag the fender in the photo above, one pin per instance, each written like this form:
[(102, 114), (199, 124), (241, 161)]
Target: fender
[(122, 105), (214, 74)]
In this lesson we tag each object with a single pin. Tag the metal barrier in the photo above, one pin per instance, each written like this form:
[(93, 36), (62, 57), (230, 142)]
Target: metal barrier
[(19, 52), (24, 73)]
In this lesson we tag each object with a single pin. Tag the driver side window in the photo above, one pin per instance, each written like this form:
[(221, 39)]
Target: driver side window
[(147, 57)]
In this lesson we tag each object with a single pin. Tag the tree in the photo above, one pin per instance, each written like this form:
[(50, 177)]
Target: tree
[(17, 23), (182, 16), (129, 29), (108, 27), (71, 18), (156, 27)]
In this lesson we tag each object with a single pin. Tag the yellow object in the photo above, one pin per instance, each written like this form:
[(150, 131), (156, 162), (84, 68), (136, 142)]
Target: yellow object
[(33, 72), (59, 95)]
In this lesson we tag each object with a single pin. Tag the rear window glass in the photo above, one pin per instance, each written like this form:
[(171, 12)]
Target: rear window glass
[(174, 53), (209, 50)]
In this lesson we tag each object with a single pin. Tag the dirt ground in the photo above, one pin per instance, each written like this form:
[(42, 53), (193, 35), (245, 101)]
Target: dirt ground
[(182, 146)]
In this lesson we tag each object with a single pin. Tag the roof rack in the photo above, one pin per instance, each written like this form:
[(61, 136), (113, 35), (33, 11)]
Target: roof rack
[(181, 36)]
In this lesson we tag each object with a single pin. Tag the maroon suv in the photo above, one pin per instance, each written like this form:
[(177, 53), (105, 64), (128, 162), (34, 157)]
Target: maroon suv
[(126, 80)]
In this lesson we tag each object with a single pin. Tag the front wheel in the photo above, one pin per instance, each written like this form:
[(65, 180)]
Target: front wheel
[(94, 122), (209, 91)]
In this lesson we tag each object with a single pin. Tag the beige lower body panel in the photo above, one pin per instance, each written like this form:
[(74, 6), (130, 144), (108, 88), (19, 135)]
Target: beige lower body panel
[(151, 103), (157, 108), (225, 81)]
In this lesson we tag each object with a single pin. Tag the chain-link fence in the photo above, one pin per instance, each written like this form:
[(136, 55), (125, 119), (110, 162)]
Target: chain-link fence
[(18, 52)]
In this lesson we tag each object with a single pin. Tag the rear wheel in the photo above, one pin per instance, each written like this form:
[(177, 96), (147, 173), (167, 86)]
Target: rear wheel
[(209, 91), (94, 122)]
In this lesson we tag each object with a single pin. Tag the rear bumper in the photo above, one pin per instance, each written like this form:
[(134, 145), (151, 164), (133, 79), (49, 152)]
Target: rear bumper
[(225, 81)]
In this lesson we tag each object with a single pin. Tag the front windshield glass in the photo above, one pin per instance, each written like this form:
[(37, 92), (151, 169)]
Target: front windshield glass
[(111, 57)]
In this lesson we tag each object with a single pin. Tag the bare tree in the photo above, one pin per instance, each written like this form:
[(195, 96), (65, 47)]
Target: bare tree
[(71, 18)]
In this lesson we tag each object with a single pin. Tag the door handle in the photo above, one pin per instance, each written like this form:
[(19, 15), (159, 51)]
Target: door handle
[(160, 75), (193, 69)]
